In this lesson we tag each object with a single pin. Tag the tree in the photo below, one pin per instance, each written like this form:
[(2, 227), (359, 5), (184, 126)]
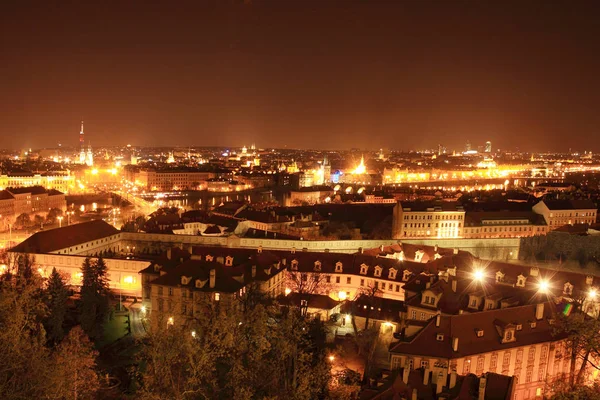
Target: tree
[(309, 283), (582, 344), (73, 368), (23, 221), (23, 356), (53, 214), (262, 351), (56, 301), (94, 303)]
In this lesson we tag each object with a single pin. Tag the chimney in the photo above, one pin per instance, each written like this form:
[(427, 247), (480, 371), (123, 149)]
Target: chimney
[(539, 311), (213, 274), (439, 383), (191, 249), (427, 285), (169, 253), (381, 248), (360, 250), (438, 318), (254, 271), (454, 284), (435, 248), (405, 373), (455, 251), (452, 379), (455, 344), (482, 384), (414, 395), (426, 374)]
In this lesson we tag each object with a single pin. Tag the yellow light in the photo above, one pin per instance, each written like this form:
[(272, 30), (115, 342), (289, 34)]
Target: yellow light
[(40, 271), (288, 291), (332, 358), (342, 295), (170, 321), (143, 309), (128, 279), (544, 286), (478, 275), (347, 318), (95, 171), (592, 294), (193, 334), (113, 171)]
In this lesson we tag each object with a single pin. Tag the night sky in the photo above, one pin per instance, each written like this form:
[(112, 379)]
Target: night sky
[(326, 74)]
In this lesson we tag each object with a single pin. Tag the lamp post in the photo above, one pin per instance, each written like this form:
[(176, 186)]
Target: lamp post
[(60, 218)]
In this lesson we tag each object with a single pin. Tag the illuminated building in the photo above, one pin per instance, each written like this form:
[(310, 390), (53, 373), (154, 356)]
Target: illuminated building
[(89, 160), (421, 219), (559, 213), (503, 224), (63, 183), (171, 158), (29, 200), (488, 147), (172, 179)]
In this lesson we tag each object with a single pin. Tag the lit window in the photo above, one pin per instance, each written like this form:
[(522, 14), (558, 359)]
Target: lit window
[(217, 296)]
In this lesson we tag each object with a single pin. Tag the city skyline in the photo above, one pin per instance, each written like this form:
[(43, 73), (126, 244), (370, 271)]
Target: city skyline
[(402, 75)]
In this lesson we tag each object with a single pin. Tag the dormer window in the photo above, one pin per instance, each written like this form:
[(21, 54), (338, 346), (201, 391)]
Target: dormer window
[(209, 257), (589, 280), (439, 337), (437, 256), (293, 250), (363, 269), (378, 270), (406, 275), (519, 327), (199, 283), (419, 255), (568, 288), (521, 280), (451, 271), (185, 280), (338, 267), (294, 265), (509, 335), (532, 324), (392, 273), (535, 271), (259, 249), (228, 261), (499, 276), (479, 332), (317, 266)]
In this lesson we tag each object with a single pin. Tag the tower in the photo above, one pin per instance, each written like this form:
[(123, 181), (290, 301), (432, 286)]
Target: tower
[(81, 145), (89, 160), (488, 147)]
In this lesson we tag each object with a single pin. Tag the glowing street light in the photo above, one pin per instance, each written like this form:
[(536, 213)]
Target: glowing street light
[(60, 218), (543, 286), (478, 275), (592, 294), (331, 358)]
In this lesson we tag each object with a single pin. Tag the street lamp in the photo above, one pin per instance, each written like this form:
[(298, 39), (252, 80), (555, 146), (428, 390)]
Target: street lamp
[(60, 218)]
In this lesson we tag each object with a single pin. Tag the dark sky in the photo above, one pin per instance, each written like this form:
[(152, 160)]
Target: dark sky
[(311, 74)]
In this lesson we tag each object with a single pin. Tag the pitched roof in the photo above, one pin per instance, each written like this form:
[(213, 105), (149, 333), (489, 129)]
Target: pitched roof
[(570, 204), (60, 238), (464, 327)]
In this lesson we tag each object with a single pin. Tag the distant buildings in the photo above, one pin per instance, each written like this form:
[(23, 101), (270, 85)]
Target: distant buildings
[(29, 200), (421, 219), (61, 182), (558, 213)]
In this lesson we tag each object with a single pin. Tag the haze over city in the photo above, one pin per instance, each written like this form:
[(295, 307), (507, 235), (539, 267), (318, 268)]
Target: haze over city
[(299, 199), (302, 74)]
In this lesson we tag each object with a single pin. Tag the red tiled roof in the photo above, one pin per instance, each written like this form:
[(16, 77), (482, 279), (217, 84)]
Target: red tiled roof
[(465, 326), (68, 236)]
